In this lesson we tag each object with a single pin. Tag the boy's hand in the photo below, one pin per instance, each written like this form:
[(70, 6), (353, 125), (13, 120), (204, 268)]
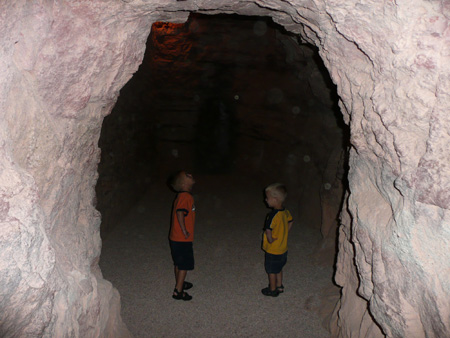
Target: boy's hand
[(270, 239), (187, 234)]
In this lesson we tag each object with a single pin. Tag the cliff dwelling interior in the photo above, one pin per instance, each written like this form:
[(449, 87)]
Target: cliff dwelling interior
[(346, 102)]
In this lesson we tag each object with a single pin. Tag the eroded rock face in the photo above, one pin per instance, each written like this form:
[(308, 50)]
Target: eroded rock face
[(394, 231), (62, 65)]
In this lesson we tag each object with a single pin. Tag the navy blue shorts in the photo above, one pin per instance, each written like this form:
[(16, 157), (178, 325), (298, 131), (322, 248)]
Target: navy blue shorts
[(182, 255), (275, 263)]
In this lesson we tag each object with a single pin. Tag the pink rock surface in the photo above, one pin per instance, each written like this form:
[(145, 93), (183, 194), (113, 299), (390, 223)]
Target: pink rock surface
[(62, 65)]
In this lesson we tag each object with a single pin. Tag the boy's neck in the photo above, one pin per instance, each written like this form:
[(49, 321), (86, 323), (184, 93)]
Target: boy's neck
[(185, 190), (278, 207)]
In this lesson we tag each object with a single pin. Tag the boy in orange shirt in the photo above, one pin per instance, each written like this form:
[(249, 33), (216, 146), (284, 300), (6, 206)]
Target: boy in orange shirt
[(182, 233), (276, 228)]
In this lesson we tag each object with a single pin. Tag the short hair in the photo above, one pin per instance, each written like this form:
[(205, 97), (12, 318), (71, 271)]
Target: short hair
[(176, 180), (277, 190)]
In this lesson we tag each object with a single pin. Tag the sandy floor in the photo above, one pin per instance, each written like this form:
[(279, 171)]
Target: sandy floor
[(229, 273)]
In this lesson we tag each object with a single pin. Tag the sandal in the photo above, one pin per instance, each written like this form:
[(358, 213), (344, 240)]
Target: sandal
[(280, 288), (181, 295), (187, 285), (268, 292)]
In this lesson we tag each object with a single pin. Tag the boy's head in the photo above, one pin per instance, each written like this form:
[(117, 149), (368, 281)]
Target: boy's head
[(182, 181), (276, 193)]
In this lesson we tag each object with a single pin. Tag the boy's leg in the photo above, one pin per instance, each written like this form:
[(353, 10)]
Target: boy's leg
[(178, 292), (180, 276), (272, 281), (271, 290), (279, 279), (176, 273)]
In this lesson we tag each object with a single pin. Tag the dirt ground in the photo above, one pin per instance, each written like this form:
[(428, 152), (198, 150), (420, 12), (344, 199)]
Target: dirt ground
[(229, 272)]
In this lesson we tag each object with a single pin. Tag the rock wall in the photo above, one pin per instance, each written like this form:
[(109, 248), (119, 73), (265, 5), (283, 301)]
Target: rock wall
[(62, 66), (396, 219)]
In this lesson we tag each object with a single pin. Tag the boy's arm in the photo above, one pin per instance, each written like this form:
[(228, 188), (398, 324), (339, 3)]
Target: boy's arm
[(180, 217), (268, 227), (270, 239), (290, 225)]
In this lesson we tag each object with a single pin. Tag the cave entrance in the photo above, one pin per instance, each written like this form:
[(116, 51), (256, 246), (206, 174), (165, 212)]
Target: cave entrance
[(224, 96), (258, 103)]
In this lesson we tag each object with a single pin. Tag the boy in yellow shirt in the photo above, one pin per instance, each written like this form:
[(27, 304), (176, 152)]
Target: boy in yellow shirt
[(276, 228)]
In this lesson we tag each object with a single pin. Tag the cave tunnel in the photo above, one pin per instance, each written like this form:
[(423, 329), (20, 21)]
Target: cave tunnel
[(64, 155), (212, 102), (232, 99)]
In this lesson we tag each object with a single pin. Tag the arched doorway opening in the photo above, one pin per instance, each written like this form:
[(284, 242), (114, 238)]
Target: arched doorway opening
[(234, 99)]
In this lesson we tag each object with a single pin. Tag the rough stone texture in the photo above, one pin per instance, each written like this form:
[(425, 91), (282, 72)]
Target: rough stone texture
[(62, 64), (396, 226)]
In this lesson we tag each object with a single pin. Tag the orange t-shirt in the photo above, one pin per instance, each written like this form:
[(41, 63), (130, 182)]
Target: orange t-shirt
[(183, 202)]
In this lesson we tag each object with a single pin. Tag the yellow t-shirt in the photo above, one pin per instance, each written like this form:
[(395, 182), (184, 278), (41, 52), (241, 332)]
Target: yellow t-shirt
[(278, 221)]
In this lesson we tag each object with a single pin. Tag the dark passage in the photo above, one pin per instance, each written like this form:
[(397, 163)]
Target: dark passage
[(224, 94), (241, 103), (215, 136)]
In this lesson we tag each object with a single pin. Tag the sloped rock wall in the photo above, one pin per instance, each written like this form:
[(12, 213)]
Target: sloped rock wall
[(396, 216), (62, 65)]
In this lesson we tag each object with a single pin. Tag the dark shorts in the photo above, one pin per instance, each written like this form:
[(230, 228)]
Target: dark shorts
[(275, 263), (182, 255)]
